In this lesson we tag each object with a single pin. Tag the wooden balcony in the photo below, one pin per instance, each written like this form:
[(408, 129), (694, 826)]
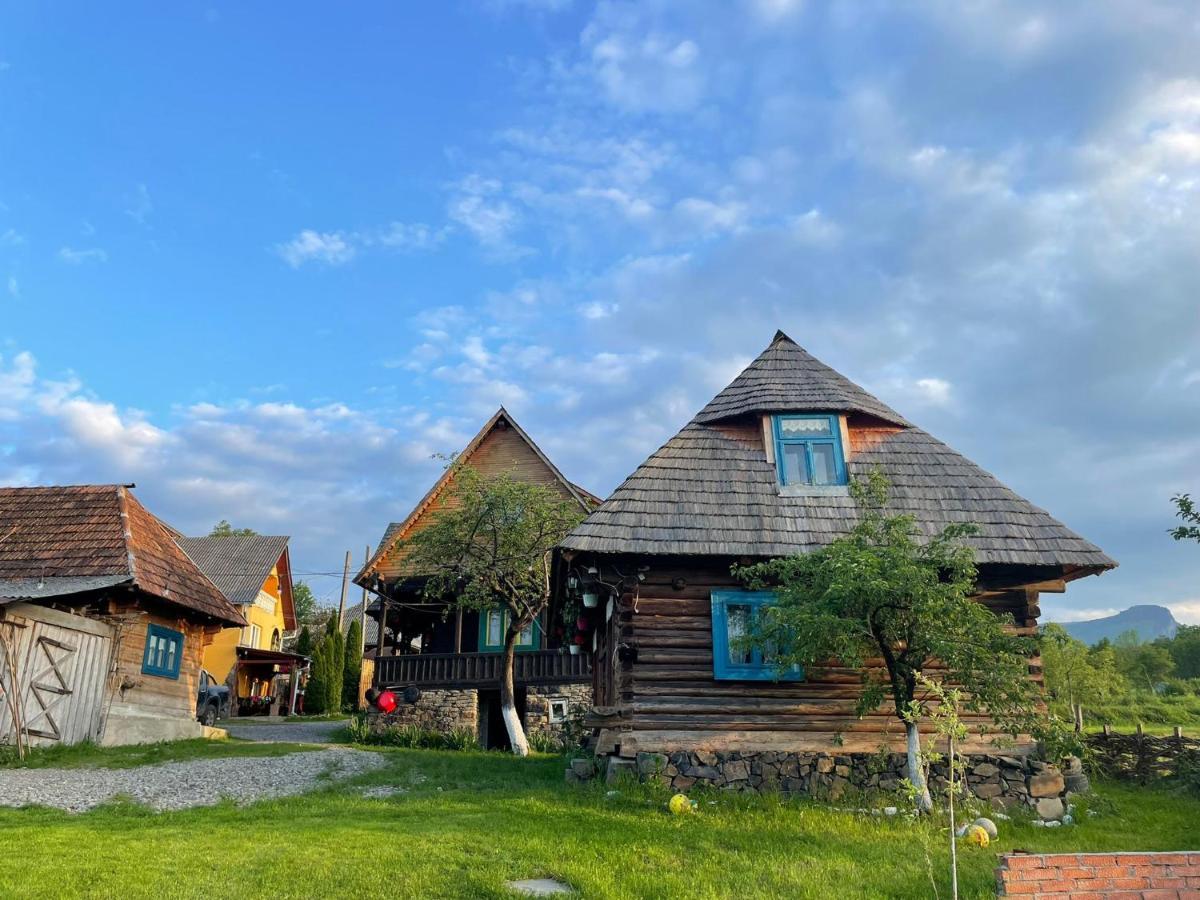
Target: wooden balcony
[(475, 669)]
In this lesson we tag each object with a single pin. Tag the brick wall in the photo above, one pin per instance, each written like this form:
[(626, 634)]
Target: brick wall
[(1092, 876)]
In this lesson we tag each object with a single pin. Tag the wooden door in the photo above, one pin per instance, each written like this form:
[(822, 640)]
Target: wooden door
[(62, 667)]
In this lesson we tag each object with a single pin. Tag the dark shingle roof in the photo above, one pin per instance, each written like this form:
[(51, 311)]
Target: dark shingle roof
[(237, 564), (97, 535), (787, 378), (354, 614), (711, 490)]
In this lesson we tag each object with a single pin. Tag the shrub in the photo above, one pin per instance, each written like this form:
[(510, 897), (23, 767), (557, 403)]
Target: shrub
[(544, 742)]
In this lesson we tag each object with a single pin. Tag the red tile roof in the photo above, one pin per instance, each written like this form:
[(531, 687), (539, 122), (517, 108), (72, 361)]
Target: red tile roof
[(99, 532)]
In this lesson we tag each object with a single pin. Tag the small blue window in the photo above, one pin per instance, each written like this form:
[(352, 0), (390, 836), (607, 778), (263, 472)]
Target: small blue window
[(164, 652), (734, 614), (493, 626), (808, 450)]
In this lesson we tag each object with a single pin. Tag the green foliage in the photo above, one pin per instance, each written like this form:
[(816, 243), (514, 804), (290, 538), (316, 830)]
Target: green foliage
[(1077, 675), (316, 692), (305, 603), (1185, 510), (335, 655), (1185, 651), (224, 529), (544, 742), (412, 737), (885, 590), (352, 667), (1145, 665), (304, 644)]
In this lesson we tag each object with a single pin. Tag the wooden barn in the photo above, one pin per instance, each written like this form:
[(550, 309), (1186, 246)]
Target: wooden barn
[(761, 472), (445, 661), (103, 619)]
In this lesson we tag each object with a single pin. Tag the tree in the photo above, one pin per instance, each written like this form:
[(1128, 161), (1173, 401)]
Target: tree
[(1185, 509), (885, 591), (1075, 674), (352, 670), (1185, 651), (1146, 665), (224, 529), (304, 643), (304, 602), (335, 655), (491, 545), (316, 692)]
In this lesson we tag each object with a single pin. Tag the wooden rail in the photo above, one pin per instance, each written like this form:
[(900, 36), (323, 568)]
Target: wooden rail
[(467, 669)]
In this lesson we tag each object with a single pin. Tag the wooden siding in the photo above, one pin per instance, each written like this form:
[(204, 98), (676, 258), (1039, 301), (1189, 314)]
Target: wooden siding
[(502, 451), (663, 695), (473, 669)]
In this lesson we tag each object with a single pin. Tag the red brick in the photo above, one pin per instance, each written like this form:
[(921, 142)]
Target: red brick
[(1077, 872), (1113, 872), (1053, 896), (1188, 894), (1160, 895), (1130, 884), (1193, 858), (1187, 871), (1135, 859), (1096, 860), (1163, 881), (1021, 888), (1037, 875), (1023, 861)]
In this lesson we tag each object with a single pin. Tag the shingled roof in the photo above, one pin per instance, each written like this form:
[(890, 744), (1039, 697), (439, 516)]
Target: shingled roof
[(239, 565), (711, 489), (67, 540)]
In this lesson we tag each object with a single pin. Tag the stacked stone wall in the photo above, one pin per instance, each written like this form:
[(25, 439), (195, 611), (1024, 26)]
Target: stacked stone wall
[(436, 709), (538, 708)]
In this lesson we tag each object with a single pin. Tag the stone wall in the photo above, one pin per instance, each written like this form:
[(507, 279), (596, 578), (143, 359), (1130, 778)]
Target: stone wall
[(438, 709), (1004, 781), (538, 701), (1058, 876)]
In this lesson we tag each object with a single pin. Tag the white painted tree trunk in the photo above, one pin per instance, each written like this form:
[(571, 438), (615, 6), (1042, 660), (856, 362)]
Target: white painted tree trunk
[(916, 774), (508, 703)]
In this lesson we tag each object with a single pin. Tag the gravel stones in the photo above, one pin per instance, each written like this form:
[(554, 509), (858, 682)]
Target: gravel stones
[(178, 785)]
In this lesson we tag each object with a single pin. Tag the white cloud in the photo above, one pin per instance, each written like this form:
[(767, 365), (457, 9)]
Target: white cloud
[(76, 257), (14, 289), (138, 206), (12, 238), (331, 248)]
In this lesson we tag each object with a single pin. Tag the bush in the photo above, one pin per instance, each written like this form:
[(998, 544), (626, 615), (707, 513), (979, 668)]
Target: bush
[(412, 737), (544, 742)]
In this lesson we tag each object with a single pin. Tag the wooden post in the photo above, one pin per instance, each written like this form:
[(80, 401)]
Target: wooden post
[(1078, 718), (1107, 730), (383, 617), (1179, 732), (345, 584), (1140, 733), (458, 617)]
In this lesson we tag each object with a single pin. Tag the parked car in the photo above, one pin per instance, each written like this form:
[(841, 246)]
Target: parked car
[(212, 699)]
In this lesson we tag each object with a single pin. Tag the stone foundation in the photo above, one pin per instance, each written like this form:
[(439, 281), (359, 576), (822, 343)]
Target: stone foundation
[(551, 709), (1003, 781), (437, 709)]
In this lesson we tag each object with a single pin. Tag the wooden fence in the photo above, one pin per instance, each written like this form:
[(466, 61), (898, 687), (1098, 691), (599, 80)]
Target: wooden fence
[(1142, 757)]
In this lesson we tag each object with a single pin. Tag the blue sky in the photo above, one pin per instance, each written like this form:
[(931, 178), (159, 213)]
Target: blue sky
[(265, 262)]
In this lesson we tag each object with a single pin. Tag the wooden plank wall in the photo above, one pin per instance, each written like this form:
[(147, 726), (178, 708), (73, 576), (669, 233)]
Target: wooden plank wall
[(668, 699)]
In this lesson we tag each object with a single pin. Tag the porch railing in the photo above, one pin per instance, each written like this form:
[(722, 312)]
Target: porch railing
[(432, 669)]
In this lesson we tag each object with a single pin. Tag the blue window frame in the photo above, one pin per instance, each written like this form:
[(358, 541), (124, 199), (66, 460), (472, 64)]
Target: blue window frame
[(808, 450), (493, 625), (734, 614), (164, 652)]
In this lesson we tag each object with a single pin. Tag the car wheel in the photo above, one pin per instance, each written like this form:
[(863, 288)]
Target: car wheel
[(209, 716)]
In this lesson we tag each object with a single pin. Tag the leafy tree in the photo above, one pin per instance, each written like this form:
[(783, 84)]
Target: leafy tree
[(305, 603), (1185, 651), (885, 591), (1146, 665), (1185, 509), (224, 529), (1076, 675), (304, 643), (352, 670), (335, 655), (491, 545)]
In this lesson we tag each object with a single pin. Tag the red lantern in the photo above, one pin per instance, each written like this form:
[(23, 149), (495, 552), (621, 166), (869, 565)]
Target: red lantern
[(579, 639), (386, 702), (582, 624)]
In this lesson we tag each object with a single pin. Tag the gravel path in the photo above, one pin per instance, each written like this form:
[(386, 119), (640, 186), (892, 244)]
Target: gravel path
[(177, 785), (299, 732)]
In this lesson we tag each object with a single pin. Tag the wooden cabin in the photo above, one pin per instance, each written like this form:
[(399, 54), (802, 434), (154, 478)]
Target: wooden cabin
[(106, 616), (761, 472), (444, 661), (254, 572)]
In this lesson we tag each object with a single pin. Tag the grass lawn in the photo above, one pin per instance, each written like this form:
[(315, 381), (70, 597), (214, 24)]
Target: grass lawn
[(470, 821), (90, 756)]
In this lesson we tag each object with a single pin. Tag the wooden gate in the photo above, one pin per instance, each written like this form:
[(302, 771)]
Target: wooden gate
[(62, 667)]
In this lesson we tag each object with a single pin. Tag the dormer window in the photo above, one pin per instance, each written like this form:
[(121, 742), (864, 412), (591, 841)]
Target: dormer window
[(808, 450)]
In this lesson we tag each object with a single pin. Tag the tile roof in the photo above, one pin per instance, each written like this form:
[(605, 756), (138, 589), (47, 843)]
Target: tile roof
[(100, 535), (711, 490), (237, 564)]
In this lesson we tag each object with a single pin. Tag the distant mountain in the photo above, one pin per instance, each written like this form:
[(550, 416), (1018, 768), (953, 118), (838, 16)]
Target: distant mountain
[(1149, 622)]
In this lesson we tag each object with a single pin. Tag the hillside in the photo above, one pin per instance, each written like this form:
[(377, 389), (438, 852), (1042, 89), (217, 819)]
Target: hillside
[(1148, 621)]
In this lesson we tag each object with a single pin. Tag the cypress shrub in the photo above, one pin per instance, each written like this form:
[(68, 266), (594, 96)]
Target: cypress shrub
[(352, 670), (316, 694)]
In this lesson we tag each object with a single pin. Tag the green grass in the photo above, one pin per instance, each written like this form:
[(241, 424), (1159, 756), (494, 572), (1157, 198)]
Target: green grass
[(470, 821), (87, 755), (1158, 715)]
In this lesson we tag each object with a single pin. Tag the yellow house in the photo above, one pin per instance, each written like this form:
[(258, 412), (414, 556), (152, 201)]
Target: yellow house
[(254, 573)]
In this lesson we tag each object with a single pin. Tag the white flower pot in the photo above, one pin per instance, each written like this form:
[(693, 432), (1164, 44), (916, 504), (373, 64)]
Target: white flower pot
[(574, 649), (591, 600)]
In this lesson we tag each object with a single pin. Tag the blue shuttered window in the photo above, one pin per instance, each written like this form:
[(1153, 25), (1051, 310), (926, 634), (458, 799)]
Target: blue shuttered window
[(734, 614), (164, 652), (493, 625), (808, 450)]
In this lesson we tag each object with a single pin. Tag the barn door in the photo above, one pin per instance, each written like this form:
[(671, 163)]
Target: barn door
[(62, 667)]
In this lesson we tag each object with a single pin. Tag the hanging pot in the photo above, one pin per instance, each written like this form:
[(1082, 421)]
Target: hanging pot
[(591, 599), (574, 649)]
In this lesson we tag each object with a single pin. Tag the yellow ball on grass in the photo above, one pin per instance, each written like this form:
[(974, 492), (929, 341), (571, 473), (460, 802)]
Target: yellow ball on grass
[(680, 804)]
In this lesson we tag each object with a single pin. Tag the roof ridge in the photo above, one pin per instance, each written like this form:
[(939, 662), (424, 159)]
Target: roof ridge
[(126, 531)]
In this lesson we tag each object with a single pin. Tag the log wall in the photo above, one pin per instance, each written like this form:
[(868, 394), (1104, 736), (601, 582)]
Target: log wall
[(662, 696)]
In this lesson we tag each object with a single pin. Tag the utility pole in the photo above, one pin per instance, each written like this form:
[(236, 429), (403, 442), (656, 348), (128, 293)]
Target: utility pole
[(345, 584), (362, 625)]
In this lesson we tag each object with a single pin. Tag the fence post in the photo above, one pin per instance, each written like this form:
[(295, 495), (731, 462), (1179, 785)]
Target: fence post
[(1107, 730), (1179, 732)]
